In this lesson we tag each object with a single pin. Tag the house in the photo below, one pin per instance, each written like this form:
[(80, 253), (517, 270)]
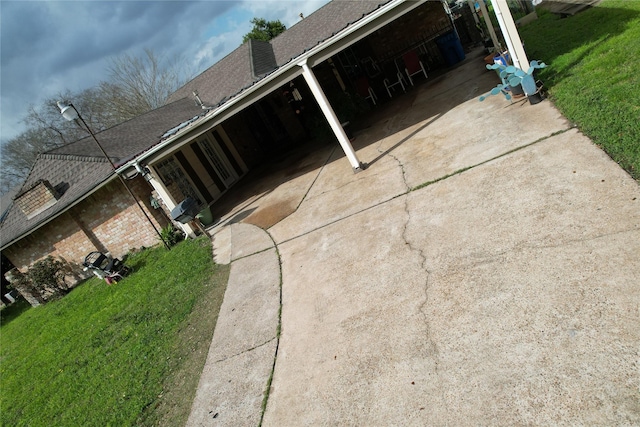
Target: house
[(72, 203), (255, 102)]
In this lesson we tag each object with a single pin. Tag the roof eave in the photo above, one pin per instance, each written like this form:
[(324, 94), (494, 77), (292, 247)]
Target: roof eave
[(311, 57)]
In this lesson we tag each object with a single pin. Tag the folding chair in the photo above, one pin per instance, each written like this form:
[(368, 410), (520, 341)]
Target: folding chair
[(399, 80), (388, 85), (364, 89), (413, 65)]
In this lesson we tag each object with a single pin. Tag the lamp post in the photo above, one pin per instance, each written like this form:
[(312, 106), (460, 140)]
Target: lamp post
[(69, 112)]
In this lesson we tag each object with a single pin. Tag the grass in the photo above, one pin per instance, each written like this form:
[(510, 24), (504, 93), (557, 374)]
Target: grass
[(594, 73), (127, 354)]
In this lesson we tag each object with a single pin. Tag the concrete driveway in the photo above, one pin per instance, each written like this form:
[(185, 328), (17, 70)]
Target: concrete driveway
[(484, 270)]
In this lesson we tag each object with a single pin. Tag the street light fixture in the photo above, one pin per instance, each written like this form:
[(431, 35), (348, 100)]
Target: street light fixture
[(69, 112)]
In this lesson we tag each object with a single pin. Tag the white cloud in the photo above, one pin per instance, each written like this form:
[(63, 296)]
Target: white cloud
[(50, 46)]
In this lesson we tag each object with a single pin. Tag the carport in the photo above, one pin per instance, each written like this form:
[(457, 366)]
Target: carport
[(267, 83)]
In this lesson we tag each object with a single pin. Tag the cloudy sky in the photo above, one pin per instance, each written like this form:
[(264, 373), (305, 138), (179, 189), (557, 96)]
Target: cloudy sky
[(50, 46)]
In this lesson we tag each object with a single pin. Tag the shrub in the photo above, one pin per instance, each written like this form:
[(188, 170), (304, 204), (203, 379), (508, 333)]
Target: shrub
[(47, 276), (20, 280), (170, 235)]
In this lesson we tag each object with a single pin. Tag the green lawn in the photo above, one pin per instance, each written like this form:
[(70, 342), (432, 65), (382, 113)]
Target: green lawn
[(120, 355), (594, 73)]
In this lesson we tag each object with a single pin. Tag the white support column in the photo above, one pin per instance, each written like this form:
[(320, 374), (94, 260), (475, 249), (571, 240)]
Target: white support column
[(510, 34), (168, 201), (487, 20), (311, 80)]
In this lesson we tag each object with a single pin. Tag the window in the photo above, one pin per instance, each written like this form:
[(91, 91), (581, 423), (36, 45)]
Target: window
[(215, 158), (175, 180)]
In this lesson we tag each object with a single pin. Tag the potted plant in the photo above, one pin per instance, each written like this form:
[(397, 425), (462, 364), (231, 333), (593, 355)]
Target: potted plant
[(512, 77)]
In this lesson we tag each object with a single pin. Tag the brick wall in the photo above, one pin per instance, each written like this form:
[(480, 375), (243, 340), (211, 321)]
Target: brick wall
[(413, 27), (38, 198), (108, 220), (115, 219), (61, 238)]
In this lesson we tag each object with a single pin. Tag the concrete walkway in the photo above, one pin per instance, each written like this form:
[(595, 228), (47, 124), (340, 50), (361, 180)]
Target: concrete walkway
[(242, 354), (484, 270)]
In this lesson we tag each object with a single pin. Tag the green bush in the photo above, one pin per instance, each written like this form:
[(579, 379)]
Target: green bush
[(20, 280), (170, 235), (47, 275)]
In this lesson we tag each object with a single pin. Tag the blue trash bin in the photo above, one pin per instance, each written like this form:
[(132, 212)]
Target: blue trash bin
[(451, 48)]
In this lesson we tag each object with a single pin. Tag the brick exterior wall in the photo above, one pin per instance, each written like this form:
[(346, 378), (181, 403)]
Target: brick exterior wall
[(108, 220), (422, 22), (38, 198), (61, 238)]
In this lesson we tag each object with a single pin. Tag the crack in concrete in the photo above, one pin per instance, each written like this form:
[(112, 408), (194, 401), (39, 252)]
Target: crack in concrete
[(245, 351), (400, 164), (432, 346)]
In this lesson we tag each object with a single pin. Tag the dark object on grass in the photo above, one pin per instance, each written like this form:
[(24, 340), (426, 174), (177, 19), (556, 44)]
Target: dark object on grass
[(105, 267)]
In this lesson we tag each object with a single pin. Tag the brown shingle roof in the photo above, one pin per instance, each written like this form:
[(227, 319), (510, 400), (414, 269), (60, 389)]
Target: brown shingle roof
[(74, 177), (128, 139), (232, 74), (222, 80), (319, 26)]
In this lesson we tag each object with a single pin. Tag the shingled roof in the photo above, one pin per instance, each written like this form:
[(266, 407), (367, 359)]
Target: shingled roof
[(76, 169), (324, 23), (232, 74), (72, 176), (128, 139)]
